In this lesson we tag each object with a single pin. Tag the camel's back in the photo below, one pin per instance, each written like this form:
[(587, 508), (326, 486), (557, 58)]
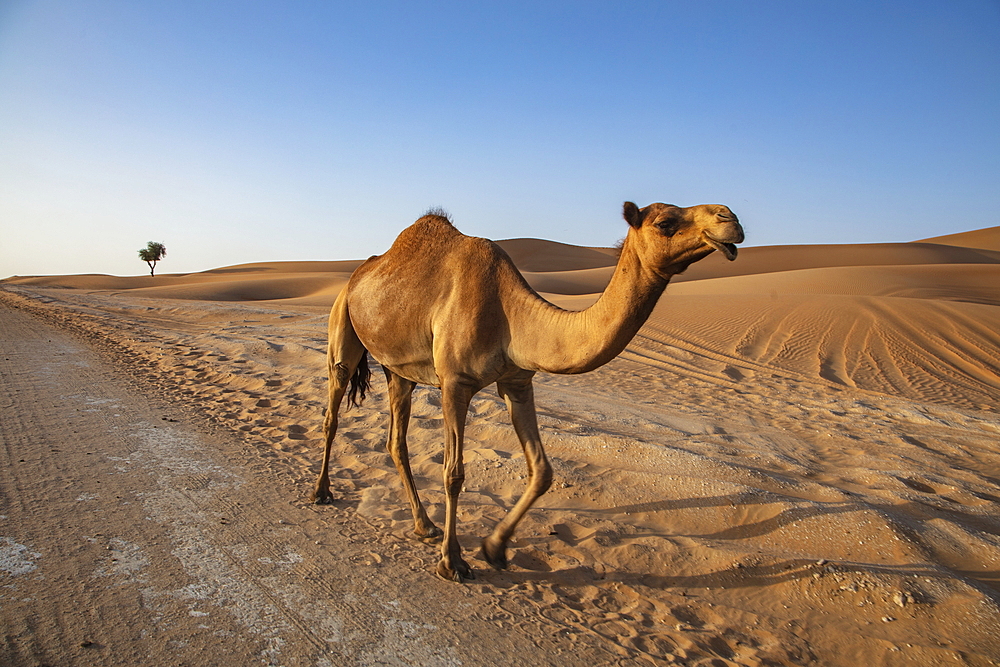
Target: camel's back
[(433, 279), (431, 256)]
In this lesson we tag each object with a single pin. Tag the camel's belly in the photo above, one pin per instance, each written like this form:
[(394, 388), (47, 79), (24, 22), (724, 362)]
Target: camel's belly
[(419, 373)]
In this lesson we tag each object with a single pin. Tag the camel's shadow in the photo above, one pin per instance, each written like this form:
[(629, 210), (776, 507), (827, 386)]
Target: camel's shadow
[(904, 518)]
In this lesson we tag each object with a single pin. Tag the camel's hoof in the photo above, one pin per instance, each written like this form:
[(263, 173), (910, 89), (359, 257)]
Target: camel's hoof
[(430, 535), (461, 572), (494, 555), (323, 497)]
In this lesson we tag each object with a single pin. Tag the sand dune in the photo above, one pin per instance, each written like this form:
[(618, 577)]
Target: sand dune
[(307, 283), (546, 256), (794, 462), (771, 259), (984, 239)]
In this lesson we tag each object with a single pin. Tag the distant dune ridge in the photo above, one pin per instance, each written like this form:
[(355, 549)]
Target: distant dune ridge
[(795, 461), (984, 239)]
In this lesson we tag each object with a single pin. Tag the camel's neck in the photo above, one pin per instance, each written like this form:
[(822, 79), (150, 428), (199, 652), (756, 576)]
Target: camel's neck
[(549, 339)]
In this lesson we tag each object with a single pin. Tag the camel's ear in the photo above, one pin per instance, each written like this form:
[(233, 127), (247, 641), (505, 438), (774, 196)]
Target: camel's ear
[(632, 214)]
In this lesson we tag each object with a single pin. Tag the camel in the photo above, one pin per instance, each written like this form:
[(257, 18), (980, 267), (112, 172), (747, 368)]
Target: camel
[(444, 309)]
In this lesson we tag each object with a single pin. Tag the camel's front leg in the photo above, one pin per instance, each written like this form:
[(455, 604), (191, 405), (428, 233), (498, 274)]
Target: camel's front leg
[(455, 399), (520, 398), (400, 393)]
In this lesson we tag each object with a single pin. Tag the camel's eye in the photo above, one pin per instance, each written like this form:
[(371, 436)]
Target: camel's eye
[(668, 227)]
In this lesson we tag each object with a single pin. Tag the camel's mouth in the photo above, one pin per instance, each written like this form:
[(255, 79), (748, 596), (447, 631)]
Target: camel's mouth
[(727, 249)]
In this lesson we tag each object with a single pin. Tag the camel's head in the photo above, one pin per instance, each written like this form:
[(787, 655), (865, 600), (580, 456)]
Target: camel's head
[(669, 238)]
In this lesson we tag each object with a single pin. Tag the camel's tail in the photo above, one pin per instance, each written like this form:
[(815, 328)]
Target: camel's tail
[(360, 381)]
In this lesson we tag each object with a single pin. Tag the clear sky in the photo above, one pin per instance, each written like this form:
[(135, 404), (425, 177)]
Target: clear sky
[(263, 130)]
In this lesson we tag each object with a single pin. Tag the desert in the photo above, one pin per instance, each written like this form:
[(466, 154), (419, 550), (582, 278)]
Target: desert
[(796, 461)]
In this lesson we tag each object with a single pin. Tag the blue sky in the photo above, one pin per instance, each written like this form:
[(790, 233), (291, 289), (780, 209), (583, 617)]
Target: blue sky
[(255, 131)]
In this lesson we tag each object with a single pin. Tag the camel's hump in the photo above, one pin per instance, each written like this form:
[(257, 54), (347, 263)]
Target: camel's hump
[(431, 227), (433, 234)]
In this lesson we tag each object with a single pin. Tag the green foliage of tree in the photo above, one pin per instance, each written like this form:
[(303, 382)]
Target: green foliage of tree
[(153, 253)]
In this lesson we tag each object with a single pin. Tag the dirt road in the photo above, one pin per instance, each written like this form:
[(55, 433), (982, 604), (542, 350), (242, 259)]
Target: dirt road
[(132, 533)]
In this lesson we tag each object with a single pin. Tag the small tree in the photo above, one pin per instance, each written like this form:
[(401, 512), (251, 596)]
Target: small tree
[(153, 253)]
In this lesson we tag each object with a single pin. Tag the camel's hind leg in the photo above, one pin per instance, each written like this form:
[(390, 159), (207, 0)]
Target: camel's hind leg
[(520, 398), (400, 393), (344, 354)]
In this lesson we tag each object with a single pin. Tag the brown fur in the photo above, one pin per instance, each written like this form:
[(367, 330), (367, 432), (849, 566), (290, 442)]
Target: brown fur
[(452, 311)]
